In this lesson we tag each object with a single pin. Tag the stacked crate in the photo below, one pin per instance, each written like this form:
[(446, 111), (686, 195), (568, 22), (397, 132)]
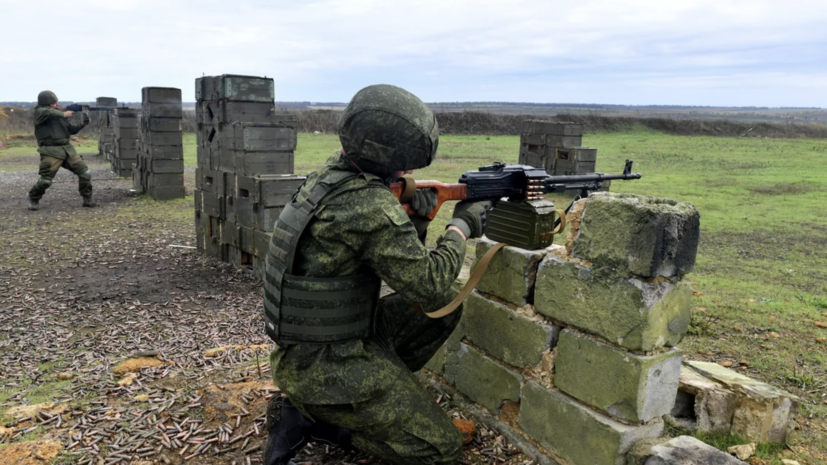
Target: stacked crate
[(244, 173), (556, 147), (125, 125), (106, 141), (159, 168)]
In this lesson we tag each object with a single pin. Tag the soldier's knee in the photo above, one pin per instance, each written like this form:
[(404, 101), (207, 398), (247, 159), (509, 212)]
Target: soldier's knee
[(44, 182), (85, 175)]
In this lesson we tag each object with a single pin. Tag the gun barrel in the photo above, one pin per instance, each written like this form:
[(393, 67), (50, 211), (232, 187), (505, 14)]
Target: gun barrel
[(596, 177)]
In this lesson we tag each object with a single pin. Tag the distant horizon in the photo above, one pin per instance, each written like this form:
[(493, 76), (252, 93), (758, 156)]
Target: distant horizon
[(470, 102)]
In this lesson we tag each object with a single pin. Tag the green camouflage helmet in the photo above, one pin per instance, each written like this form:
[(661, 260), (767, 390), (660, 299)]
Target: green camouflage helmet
[(386, 128), (46, 98)]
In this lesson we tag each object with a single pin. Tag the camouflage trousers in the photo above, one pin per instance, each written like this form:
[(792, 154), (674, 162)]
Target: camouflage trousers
[(49, 167), (403, 425)]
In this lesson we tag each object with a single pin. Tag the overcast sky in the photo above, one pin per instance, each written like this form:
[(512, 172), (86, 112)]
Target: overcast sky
[(687, 52)]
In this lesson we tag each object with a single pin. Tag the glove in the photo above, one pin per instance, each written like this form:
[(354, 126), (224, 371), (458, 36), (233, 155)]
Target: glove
[(424, 201), (469, 217)]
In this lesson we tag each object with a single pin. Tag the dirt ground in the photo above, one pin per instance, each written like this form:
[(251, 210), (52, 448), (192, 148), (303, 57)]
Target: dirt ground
[(84, 290)]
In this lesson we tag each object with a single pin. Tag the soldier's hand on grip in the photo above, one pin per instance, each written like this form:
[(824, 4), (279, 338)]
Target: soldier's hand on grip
[(469, 217), (424, 201), (68, 114)]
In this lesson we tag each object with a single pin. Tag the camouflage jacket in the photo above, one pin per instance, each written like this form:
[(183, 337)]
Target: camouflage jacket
[(361, 223), (52, 131)]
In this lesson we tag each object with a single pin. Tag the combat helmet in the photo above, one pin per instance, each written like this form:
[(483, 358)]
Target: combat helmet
[(386, 128), (46, 98)]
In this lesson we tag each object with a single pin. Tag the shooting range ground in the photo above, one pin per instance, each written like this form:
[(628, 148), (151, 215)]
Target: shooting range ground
[(759, 281)]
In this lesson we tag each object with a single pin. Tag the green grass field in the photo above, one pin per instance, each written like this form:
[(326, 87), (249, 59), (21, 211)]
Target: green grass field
[(761, 275)]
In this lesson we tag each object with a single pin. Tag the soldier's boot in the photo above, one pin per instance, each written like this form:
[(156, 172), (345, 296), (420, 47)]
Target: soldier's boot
[(34, 205), (288, 431), (87, 202)]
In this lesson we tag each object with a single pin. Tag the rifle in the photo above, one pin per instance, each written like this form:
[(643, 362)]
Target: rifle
[(517, 192)]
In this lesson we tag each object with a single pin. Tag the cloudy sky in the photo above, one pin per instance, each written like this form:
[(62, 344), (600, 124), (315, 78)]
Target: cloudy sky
[(687, 52)]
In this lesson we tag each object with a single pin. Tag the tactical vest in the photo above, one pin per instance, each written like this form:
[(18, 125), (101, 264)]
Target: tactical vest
[(308, 310), (53, 131)]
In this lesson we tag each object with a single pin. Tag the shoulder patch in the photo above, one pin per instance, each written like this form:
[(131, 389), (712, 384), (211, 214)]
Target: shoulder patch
[(395, 214)]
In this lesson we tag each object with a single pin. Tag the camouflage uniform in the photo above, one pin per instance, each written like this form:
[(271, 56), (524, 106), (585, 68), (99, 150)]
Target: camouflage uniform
[(368, 385), (53, 131), (354, 383)]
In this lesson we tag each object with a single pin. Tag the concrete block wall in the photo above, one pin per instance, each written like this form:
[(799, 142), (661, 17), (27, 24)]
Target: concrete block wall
[(244, 174), (159, 168), (578, 343), (124, 123)]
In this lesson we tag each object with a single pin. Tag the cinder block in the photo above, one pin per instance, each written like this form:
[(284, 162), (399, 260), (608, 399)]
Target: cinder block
[(633, 313), (511, 273), (481, 379), (513, 338), (576, 433), (633, 387), (644, 236)]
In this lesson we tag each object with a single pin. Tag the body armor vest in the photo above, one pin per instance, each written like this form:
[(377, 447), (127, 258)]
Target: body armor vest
[(299, 309), (51, 132)]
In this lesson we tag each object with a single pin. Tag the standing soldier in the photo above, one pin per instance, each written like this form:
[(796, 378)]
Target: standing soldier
[(345, 357), (53, 130)]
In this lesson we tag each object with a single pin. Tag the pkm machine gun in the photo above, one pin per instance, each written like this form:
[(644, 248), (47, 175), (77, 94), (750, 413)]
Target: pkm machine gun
[(521, 217)]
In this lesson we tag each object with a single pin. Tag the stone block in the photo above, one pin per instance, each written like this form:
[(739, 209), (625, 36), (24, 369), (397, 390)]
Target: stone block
[(576, 433), (513, 338), (763, 413), (702, 404), (437, 363), (511, 273), (481, 379), (633, 387), (682, 450), (638, 235), (633, 313)]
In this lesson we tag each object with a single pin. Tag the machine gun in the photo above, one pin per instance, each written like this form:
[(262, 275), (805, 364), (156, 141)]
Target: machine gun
[(80, 107), (520, 217)]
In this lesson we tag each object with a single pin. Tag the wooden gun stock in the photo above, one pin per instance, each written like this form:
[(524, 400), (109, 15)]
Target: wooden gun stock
[(404, 191)]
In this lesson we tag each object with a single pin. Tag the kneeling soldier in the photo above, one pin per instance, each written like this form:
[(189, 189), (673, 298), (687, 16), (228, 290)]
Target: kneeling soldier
[(345, 356), (53, 130)]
